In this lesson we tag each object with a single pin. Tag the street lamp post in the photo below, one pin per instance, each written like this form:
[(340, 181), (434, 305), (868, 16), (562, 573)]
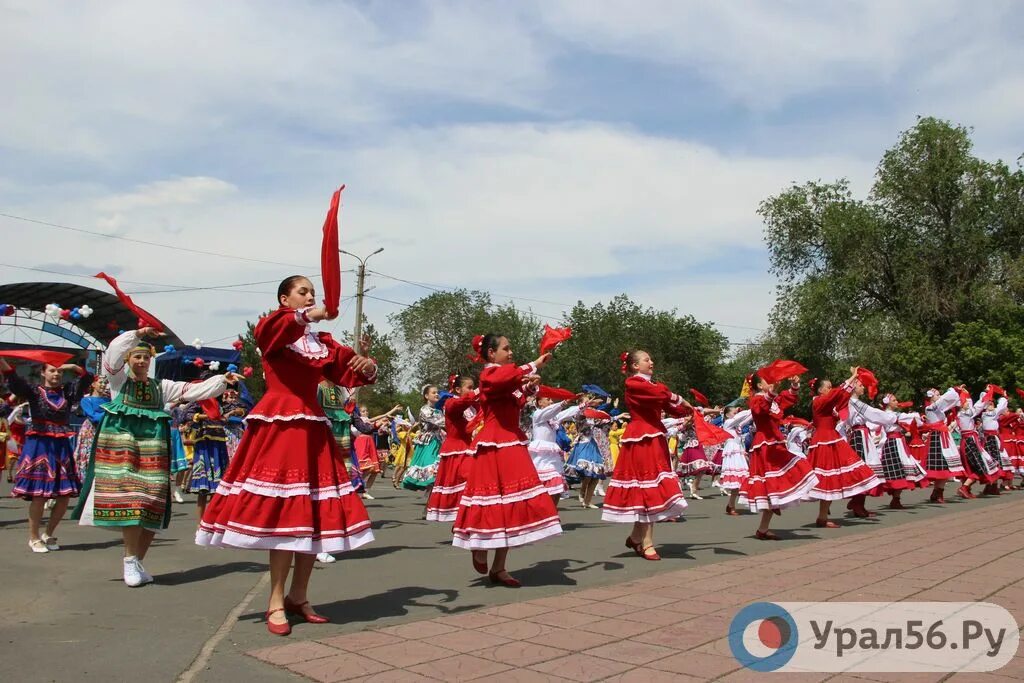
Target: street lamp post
[(358, 332)]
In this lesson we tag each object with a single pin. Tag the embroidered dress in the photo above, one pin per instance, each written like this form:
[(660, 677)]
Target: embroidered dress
[(234, 426), (972, 448), (693, 460), (778, 478), (128, 477), (735, 469), (504, 504), (548, 457), (92, 409), (210, 458), (643, 487), (892, 461), (1008, 424), (840, 472), (334, 403), (993, 443), (586, 460), (456, 459), (427, 449), (46, 463), (287, 487)]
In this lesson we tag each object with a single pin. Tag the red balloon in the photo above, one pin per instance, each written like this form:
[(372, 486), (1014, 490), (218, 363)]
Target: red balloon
[(247, 371)]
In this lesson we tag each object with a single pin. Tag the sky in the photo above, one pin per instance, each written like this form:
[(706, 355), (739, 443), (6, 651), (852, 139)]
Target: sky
[(549, 151)]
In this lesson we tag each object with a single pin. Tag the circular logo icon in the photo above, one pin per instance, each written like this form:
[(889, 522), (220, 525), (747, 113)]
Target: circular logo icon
[(763, 637)]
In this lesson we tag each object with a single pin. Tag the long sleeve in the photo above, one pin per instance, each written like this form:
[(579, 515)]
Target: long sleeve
[(341, 374), (787, 399), (92, 407), (567, 414), (431, 416), (360, 425), (282, 327), (1001, 406), (74, 391), (873, 415), (946, 401), (739, 420), (504, 379), (546, 414), (18, 385), (210, 388)]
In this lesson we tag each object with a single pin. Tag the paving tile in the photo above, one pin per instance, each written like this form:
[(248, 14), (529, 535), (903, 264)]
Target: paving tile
[(394, 676), (618, 627), (518, 610), (643, 601), (460, 668), (471, 620), (631, 652), (418, 630), (748, 676), (696, 664), (578, 667), (658, 617), (573, 640), (283, 655), (468, 641), (603, 609), (357, 642), (643, 675), (563, 619), (409, 654), (520, 653), (561, 602), (340, 667), (517, 630)]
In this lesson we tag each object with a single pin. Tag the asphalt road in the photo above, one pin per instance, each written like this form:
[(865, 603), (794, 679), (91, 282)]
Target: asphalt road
[(69, 616)]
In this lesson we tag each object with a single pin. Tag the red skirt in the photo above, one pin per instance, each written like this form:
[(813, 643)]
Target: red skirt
[(287, 488), (840, 471), (1013, 449), (366, 453), (504, 504), (778, 478), (643, 487), (449, 484)]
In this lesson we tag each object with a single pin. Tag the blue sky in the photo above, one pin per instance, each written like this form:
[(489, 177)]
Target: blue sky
[(560, 151)]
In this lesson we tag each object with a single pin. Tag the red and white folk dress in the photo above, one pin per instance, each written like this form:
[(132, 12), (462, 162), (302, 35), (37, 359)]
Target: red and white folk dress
[(287, 487), (778, 478), (643, 487), (455, 459), (840, 471), (504, 503)]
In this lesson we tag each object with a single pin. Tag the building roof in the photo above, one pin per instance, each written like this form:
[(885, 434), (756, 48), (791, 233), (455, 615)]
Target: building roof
[(109, 316)]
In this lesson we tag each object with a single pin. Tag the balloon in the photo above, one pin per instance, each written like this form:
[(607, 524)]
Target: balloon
[(238, 344), (232, 368), (199, 362), (214, 365), (169, 349), (247, 372)]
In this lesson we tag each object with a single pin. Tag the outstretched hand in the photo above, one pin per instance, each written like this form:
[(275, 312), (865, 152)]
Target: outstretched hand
[(362, 364), (148, 333), (542, 360)]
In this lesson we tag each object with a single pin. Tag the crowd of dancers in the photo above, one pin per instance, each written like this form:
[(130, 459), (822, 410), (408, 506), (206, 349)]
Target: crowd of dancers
[(493, 455)]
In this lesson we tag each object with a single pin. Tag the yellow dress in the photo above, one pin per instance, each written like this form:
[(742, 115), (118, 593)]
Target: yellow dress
[(400, 451), (613, 440)]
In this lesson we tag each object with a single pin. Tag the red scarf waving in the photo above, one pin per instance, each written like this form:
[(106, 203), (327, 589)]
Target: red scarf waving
[(330, 259), (707, 433), (146, 319)]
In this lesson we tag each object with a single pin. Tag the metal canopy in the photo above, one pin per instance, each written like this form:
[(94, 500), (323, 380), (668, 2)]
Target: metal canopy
[(109, 315)]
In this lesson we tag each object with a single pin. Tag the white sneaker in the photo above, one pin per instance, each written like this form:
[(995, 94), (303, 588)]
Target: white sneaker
[(146, 577), (49, 504), (38, 547), (599, 491), (51, 542), (177, 495), (326, 558), (367, 496), (132, 572)]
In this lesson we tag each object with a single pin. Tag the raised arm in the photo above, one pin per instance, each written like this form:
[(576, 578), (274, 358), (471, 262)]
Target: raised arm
[(210, 388), (344, 370), (873, 415)]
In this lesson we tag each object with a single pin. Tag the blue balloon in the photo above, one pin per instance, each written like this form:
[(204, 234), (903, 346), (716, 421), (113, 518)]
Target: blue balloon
[(232, 368), (168, 349), (75, 314)]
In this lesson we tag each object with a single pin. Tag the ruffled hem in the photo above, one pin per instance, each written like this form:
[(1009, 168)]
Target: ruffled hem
[(506, 499), (446, 454), (502, 444), (335, 542), (825, 490), (275, 490), (642, 437), (487, 539), (122, 409), (442, 515), (673, 508), (553, 482), (287, 418), (641, 483)]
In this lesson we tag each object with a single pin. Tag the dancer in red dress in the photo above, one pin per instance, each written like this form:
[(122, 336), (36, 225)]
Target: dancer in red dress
[(504, 504), (644, 489), (778, 478), (456, 456), (840, 471), (287, 489)]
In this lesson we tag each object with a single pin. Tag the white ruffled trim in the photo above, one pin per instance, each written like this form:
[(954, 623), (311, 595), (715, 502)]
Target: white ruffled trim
[(780, 501), (337, 542), (503, 444), (780, 472), (449, 490), (442, 514), (544, 447), (824, 443), (486, 539), (842, 470), (674, 507), (553, 482), (286, 418), (821, 494), (473, 501), (271, 489), (776, 442), (468, 451), (642, 437), (309, 346), (637, 484)]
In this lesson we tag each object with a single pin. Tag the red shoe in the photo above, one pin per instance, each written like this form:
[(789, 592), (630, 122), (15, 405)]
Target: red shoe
[(652, 555), (495, 577), (965, 492), (480, 567), (634, 546), (765, 536), (296, 609), (777, 512), (731, 511), (895, 504), (825, 524), (278, 629)]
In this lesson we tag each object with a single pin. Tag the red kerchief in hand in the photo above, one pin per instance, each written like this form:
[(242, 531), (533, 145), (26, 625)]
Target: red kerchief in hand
[(707, 433), (700, 398), (146, 319), (778, 370), (555, 393), (553, 336), (870, 382), (54, 358), (330, 259)]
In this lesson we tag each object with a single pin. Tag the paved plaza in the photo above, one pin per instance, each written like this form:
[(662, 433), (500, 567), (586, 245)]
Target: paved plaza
[(409, 607)]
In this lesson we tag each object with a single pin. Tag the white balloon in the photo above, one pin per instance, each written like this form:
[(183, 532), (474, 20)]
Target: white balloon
[(214, 365)]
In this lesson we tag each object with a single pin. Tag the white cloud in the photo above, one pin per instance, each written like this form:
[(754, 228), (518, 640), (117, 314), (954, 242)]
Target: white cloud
[(163, 193)]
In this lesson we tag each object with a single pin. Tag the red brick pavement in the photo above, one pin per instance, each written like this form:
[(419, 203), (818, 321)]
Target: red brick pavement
[(673, 626)]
